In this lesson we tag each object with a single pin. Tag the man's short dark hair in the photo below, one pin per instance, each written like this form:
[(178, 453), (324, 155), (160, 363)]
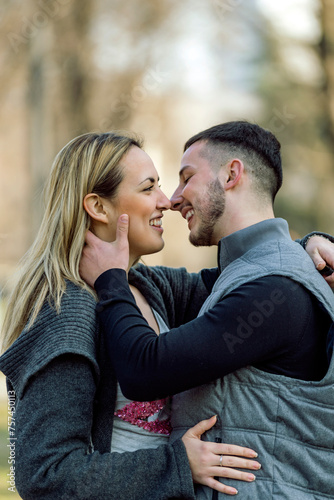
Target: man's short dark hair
[(257, 147)]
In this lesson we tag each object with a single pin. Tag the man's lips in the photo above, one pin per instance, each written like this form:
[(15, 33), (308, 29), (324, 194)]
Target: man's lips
[(187, 213)]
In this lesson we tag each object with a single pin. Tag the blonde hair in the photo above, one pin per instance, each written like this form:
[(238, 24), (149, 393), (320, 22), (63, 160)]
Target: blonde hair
[(89, 163)]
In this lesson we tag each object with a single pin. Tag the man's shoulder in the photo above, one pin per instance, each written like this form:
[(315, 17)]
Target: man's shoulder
[(279, 255)]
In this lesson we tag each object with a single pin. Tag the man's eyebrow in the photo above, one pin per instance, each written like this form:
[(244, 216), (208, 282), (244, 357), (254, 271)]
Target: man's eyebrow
[(181, 172)]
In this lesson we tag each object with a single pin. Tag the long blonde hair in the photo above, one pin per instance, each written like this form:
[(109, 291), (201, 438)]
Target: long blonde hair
[(89, 163)]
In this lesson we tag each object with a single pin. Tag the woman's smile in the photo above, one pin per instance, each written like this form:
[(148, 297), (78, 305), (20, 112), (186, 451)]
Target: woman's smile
[(139, 195)]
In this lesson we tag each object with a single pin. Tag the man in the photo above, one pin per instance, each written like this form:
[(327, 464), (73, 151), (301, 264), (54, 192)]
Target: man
[(263, 328)]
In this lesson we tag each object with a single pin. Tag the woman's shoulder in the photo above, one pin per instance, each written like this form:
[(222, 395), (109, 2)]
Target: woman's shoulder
[(79, 299), (77, 309), (73, 329)]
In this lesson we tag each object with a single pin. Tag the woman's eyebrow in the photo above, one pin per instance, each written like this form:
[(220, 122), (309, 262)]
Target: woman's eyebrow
[(151, 179)]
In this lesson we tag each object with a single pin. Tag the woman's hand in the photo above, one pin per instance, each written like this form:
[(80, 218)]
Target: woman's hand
[(321, 251), (211, 460), (98, 256)]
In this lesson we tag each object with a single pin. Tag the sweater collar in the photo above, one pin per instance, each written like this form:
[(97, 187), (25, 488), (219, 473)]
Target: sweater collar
[(237, 244)]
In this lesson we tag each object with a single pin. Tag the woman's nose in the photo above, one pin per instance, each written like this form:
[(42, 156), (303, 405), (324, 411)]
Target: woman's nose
[(164, 202)]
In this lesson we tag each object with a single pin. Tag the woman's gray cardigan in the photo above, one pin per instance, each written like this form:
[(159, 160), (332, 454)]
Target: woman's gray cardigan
[(65, 390)]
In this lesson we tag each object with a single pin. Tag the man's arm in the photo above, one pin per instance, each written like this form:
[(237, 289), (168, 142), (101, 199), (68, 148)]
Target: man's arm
[(98, 256), (257, 324), (177, 294)]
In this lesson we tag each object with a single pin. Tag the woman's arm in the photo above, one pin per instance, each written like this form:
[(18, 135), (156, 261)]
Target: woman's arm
[(53, 428), (216, 459), (319, 246), (54, 420)]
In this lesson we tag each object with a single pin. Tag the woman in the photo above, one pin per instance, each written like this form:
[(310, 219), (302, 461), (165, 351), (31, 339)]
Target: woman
[(66, 399)]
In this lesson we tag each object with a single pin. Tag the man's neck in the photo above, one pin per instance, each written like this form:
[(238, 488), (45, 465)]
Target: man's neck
[(236, 244), (240, 219)]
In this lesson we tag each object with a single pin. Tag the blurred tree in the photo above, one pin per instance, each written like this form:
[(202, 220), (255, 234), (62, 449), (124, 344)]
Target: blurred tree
[(71, 66), (58, 61), (164, 69), (326, 47), (129, 38), (291, 85), (49, 57)]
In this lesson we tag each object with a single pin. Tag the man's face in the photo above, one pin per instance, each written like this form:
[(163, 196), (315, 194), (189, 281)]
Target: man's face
[(199, 197)]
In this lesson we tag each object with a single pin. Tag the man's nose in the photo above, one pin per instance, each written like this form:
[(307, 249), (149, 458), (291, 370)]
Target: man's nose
[(176, 199)]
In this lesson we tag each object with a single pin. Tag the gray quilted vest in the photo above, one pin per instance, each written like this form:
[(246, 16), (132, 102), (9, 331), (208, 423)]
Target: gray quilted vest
[(289, 422)]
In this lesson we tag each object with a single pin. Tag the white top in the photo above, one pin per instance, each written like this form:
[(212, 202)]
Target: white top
[(139, 425)]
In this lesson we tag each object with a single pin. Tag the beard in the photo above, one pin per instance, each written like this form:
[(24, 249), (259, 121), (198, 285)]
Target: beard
[(207, 214)]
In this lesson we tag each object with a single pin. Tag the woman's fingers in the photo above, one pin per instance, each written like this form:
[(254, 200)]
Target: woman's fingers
[(202, 426), (231, 449), (330, 280), (240, 463), (227, 472), (230, 473), (209, 461), (221, 487), (218, 448)]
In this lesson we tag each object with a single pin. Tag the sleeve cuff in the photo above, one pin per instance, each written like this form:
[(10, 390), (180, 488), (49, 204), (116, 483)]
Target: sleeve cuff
[(113, 281), (304, 240)]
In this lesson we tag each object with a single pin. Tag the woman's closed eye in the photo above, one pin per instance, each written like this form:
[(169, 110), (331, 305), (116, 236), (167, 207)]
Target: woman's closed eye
[(150, 188)]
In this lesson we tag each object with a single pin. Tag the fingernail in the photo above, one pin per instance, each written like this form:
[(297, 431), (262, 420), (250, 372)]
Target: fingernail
[(250, 477), (233, 491), (124, 218), (256, 465), (254, 454)]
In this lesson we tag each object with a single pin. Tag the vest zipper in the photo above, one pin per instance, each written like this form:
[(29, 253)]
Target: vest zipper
[(215, 492)]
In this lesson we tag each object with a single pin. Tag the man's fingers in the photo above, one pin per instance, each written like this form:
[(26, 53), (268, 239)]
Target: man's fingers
[(90, 238), (123, 221), (122, 231)]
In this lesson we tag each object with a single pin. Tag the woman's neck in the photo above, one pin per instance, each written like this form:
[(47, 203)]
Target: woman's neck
[(145, 309)]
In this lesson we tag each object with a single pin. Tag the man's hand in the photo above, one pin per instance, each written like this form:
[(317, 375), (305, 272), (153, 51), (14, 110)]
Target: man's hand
[(321, 251), (98, 256), (208, 461)]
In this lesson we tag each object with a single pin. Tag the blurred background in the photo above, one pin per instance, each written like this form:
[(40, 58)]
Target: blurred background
[(164, 69)]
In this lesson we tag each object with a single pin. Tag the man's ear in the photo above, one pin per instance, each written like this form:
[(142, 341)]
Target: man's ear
[(233, 173), (95, 208)]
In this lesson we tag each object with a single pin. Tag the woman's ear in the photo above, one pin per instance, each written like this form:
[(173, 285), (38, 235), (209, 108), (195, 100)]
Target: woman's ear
[(95, 208), (234, 173)]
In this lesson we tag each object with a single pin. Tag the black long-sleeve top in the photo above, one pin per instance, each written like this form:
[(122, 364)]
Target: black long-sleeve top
[(272, 323)]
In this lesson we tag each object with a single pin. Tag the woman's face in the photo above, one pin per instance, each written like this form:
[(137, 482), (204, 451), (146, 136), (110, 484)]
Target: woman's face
[(140, 196)]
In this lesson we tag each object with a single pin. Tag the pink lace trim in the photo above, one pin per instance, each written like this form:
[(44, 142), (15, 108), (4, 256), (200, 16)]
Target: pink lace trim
[(137, 413)]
